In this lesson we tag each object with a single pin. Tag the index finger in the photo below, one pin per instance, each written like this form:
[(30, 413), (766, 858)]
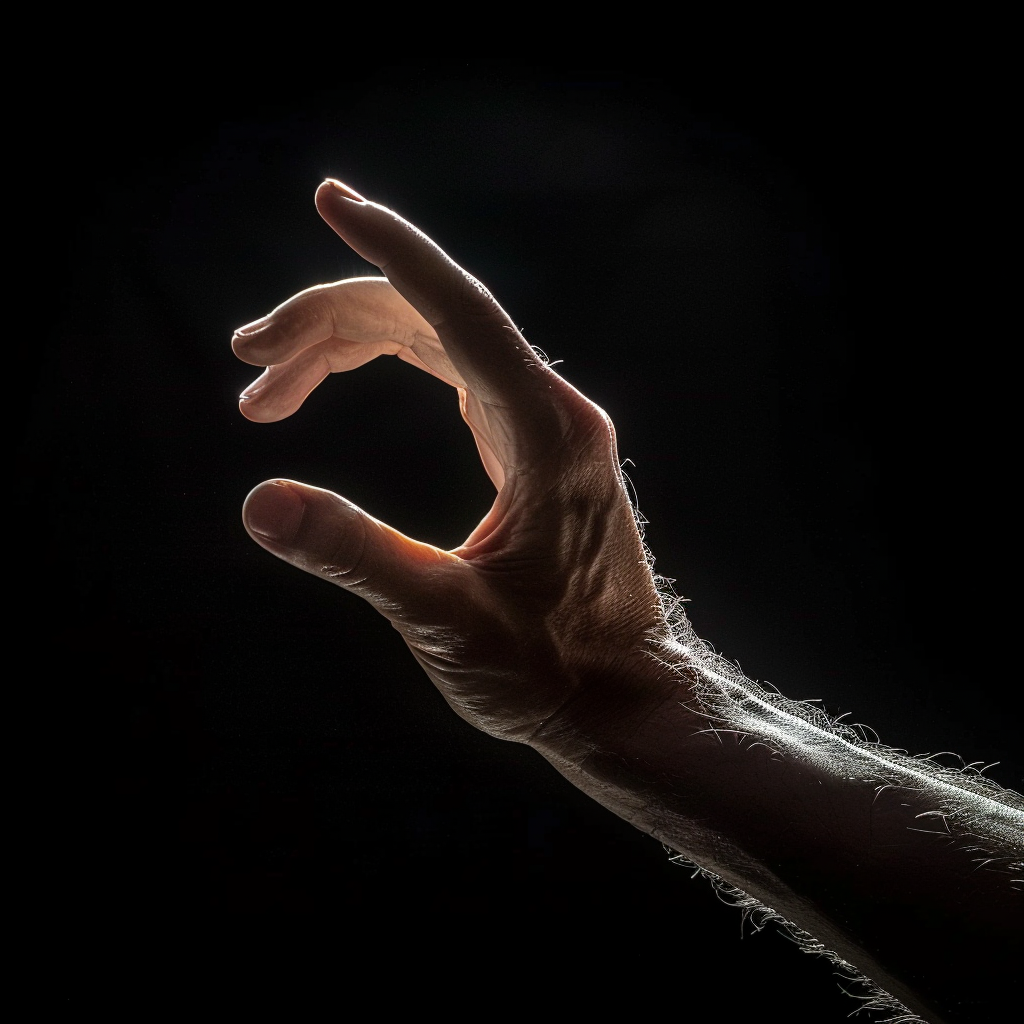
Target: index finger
[(497, 363)]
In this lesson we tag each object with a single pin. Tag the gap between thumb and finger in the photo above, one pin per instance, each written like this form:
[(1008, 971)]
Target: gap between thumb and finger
[(322, 533)]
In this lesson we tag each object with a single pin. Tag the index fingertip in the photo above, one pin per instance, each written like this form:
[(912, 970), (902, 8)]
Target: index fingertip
[(346, 190), (356, 220), (332, 196)]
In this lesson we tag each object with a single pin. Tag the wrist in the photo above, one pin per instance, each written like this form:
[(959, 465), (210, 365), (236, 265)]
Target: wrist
[(620, 736)]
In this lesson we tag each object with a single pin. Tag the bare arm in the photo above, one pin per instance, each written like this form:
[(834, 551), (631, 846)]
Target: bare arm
[(908, 873), (546, 627)]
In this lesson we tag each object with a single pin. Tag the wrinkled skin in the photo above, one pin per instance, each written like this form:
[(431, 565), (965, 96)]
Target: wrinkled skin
[(530, 626)]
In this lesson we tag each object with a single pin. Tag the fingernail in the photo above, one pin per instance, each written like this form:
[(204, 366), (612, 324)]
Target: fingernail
[(348, 193), (274, 511), (254, 388), (256, 325)]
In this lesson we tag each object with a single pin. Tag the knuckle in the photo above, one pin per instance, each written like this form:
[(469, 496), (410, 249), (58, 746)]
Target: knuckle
[(474, 298), (593, 427), (346, 562), (312, 306)]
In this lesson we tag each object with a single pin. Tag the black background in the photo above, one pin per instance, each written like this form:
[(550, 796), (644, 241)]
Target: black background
[(791, 301)]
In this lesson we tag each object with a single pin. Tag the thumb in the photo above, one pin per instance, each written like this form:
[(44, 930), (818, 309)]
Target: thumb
[(325, 535)]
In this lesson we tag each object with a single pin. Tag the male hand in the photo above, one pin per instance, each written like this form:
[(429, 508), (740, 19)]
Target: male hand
[(546, 627), (533, 624)]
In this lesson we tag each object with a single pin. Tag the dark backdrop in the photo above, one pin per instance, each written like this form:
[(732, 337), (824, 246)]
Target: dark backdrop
[(790, 301)]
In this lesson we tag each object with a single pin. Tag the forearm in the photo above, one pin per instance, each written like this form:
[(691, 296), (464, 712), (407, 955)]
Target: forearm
[(901, 868)]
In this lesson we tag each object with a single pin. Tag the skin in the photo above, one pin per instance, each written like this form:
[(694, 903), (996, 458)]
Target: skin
[(553, 583), (545, 628)]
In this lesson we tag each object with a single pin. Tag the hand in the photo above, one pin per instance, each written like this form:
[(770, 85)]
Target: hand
[(533, 623), (542, 626)]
